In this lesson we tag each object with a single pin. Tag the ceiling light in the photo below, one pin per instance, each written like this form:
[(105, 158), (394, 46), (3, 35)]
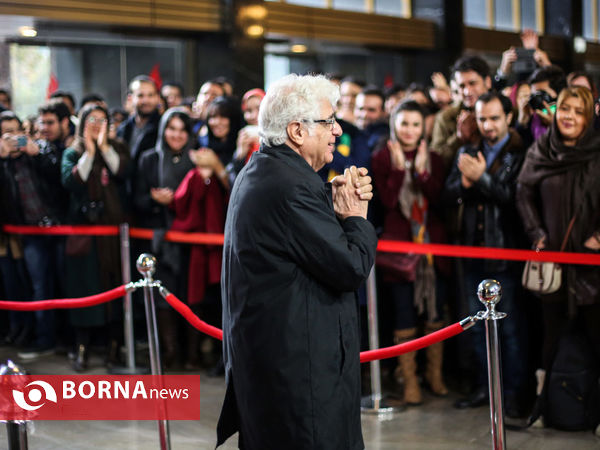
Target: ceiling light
[(255, 12), (255, 30), (27, 31), (298, 48)]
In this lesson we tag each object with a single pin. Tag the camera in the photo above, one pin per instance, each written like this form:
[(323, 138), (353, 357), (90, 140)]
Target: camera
[(537, 99), (21, 141), (92, 211), (525, 62)]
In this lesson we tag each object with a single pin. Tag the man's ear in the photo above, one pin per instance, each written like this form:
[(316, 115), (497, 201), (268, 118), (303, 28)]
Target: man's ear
[(64, 123), (296, 133), (488, 82), (509, 118)]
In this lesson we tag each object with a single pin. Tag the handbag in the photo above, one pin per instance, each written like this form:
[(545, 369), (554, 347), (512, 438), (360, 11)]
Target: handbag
[(545, 277), (78, 245), (399, 265)]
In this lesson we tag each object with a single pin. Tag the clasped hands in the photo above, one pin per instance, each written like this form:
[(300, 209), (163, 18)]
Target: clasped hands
[(351, 193), (471, 168)]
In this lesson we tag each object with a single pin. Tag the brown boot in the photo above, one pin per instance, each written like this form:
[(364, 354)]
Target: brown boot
[(408, 363), (435, 358)]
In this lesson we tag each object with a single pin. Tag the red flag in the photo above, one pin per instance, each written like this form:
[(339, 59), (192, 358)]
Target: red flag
[(52, 86), (388, 81), (155, 75)]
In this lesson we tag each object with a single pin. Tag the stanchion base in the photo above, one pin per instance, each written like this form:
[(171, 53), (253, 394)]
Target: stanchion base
[(125, 370), (387, 405)]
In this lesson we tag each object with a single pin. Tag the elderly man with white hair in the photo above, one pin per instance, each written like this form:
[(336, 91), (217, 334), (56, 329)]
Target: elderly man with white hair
[(296, 249)]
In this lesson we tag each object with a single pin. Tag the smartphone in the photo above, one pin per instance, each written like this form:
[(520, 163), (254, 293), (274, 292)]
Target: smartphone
[(472, 151)]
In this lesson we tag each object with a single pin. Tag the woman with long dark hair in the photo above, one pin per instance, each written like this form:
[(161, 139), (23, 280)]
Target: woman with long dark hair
[(224, 123), (93, 170), (409, 179)]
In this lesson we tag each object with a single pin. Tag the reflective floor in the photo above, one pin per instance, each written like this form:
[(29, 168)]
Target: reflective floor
[(433, 425)]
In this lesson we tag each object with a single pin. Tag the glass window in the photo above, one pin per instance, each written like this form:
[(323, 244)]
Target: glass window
[(558, 17), (588, 25), (475, 13), (313, 3), (528, 15), (30, 75), (389, 7), (503, 15), (276, 67), (350, 5)]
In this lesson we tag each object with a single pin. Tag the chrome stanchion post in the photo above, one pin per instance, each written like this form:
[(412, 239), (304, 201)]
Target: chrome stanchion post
[(127, 306), (375, 403), (489, 293), (16, 430), (146, 266)]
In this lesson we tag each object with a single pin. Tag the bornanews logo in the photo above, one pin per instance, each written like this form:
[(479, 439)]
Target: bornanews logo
[(99, 397)]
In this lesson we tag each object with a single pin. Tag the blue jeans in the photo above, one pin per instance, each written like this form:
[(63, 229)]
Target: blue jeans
[(512, 335), (405, 313), (41, 258)]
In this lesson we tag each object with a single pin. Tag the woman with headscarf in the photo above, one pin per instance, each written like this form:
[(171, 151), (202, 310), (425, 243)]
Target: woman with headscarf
[(93, 170), (558, 186), (174, 191), (160, 172)]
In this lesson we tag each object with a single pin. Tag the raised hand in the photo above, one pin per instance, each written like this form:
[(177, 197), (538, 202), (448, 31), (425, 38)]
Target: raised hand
[(90, 145), (103, 137), (421, 157), (397, 155)]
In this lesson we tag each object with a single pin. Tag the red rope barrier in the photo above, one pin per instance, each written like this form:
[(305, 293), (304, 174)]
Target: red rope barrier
[(65, 303), (411, 346), (192, 318), (459, 251), (371, 355), (180, 236), (464, 251), (96, 230), (215, 332)]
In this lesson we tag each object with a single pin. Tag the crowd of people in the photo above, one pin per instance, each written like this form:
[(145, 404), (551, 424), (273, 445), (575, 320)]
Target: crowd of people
[(506, 159)]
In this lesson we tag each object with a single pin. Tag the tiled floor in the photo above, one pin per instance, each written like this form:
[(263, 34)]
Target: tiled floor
[(434, 425)]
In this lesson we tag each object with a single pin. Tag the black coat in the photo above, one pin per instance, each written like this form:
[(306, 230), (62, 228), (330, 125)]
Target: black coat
[(290, 320), (145, 141), (488, 216)]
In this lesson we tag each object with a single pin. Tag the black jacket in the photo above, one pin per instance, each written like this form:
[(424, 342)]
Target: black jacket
[(52, 194), (487, 213), (146, 140), (149, 213), (290, 312)]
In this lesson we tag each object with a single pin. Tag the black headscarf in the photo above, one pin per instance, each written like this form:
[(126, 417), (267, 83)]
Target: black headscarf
[(579, 166), (173, 166)]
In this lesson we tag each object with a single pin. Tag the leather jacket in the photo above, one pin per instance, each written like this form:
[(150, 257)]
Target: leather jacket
[(487, 215)]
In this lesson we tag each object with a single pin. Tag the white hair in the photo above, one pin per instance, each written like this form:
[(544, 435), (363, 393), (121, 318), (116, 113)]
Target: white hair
[(293, 97)]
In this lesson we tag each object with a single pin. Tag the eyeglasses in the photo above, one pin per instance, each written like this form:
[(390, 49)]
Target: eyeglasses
[(329, 122), (94, 120)]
